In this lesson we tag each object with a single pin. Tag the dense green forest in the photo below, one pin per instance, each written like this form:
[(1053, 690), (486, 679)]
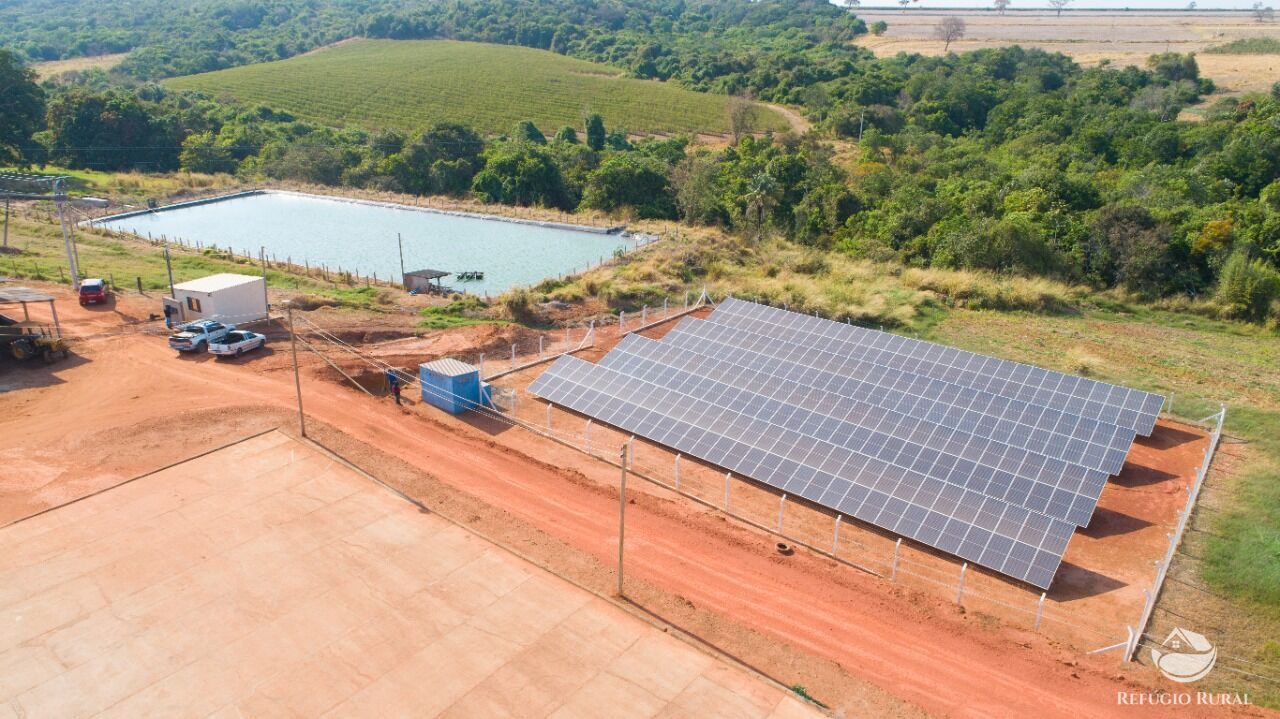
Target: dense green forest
[(1011, 160)]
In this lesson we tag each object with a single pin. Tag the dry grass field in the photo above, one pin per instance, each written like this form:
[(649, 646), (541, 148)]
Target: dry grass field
[(54, 68), (1124, 38)]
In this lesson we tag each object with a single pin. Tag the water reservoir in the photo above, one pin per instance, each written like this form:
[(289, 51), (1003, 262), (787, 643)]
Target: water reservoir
[(361, 236)]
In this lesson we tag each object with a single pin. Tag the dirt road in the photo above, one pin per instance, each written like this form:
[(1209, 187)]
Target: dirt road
[(129, 405)]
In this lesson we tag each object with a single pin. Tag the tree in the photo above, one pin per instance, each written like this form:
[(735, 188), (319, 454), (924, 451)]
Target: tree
[(521, 173), (852, 4), (1263, 13), (904, 4), (1059, 5), (1191, 5), (878, 27), (1002, 5), (740, 116), (440, 161), (625, 180), (201, 152), (595, 132), (526, 130), (567, 135), (950, 29), (21, 107)]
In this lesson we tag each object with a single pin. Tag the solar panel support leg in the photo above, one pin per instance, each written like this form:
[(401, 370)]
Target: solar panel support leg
[(897, 550), (726, 491), (960, 589), (782, 506), (835, 537), (677, 471), (1040, 611)]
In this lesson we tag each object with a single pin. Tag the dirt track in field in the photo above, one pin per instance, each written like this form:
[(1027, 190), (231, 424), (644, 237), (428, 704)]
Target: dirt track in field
[(127, 405)]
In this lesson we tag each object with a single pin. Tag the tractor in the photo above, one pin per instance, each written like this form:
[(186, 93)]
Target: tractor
[(28, 340)]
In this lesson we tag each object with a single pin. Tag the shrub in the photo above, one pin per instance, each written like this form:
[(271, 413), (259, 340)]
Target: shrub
[(1247, 288)]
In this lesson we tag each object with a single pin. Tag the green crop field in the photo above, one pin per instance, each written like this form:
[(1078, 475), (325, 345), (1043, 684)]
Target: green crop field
[(411, 84)]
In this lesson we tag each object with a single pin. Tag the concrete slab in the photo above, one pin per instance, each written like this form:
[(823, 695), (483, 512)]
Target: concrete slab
[(266, 579)]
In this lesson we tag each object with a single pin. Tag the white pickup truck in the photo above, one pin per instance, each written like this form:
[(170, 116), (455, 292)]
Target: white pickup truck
[(196, 336), (236, 343)]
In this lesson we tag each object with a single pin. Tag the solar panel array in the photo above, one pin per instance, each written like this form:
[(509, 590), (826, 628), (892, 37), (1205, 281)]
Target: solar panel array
[(916, 446)]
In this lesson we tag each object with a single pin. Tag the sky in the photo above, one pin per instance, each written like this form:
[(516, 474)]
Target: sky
[(1086, 4)]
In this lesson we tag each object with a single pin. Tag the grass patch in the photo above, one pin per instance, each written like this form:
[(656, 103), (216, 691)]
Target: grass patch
[(410, 84), (1247, 46), (462, 311)]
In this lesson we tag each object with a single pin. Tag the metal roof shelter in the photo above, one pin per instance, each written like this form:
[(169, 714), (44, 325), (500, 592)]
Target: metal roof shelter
[(992, 461), (421, 279), (25, 296)]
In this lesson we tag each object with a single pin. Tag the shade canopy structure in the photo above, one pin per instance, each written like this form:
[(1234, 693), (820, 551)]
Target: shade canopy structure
[(24, 296)]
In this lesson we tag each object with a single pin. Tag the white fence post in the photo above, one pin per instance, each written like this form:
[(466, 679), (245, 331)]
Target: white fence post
[(1040, 611), (631, 451), (586, 434), (567, 343), (782, 505), (622, 321), (897, 549), (644, 315), (548, 416), (686, 299), (726, 491), (540, 338), (665, 311), (513, 356), (960, 589), (835, 536), (677, 471), (481, 365)]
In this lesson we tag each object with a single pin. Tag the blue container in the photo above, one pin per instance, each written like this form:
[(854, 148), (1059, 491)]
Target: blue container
[(453, 386)]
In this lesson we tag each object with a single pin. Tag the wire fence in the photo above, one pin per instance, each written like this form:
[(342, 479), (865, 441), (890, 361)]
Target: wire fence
[(794, 522)]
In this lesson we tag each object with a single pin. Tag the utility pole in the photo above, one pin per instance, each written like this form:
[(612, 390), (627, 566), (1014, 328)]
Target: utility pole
[(6, 222), (297, 381), (400, 242), (622, 511), (168, 266), (266, 301), (861, 119), (61, 201)]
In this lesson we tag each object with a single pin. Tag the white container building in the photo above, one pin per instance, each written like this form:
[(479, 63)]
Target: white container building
[(225, 297)]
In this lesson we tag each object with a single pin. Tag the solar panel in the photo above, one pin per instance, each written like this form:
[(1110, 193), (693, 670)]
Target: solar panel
[(1027, 479), (1084, 441), (1088, 398), (981, 529)]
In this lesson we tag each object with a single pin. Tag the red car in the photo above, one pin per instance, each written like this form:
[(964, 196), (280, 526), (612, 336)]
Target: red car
[(93, 291)]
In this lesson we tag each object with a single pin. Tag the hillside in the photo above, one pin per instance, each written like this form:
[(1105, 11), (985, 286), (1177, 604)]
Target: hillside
[(410, 84)]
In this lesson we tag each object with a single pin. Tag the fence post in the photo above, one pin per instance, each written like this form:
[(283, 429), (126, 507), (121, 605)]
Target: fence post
[(587, 437), (782, 505), (548, 416), (835, 537), (897, 550), (631, 451), (726, 491), (513, 356), (566, 338), (686, 299), (665, 311), (644, 315), (622, 321), (960, 589), (1039, 611), (481, 365), (677, 471), (540, 337)]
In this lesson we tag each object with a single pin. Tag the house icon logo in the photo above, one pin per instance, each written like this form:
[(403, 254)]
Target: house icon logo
[(1185, 656)]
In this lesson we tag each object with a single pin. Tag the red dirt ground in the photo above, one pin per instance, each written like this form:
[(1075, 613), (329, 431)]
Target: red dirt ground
[(127, 405)]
